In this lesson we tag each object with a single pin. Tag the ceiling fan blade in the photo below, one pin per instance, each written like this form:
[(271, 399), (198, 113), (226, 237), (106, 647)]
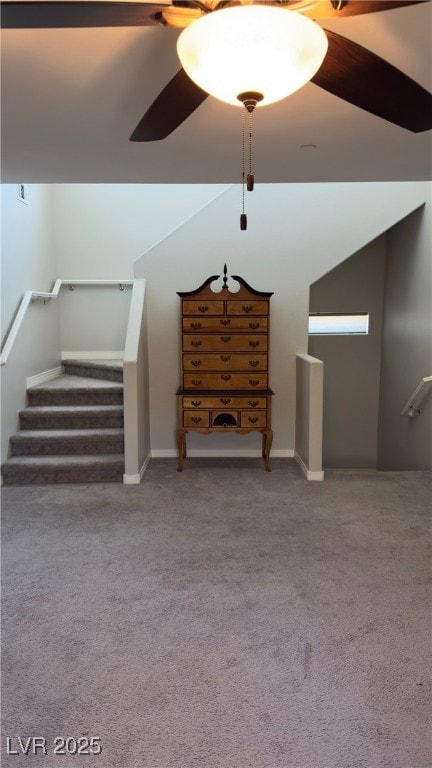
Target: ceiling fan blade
[(364, 79), (329, 10), (69, 14), (173, 105)]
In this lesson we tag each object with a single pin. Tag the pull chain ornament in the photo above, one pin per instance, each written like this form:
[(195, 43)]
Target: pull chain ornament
[(250, 100)]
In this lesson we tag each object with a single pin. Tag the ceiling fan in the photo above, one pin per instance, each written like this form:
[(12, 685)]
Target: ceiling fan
[(348, 71)]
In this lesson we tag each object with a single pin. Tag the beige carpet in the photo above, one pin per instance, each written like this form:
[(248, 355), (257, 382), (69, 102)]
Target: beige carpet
[(223, 617)]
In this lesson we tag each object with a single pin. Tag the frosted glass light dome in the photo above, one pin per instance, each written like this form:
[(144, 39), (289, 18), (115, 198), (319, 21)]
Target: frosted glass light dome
[(250, 48)]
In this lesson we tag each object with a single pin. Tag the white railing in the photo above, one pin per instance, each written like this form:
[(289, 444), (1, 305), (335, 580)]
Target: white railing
[(30, 297), (309, 416), (136, 388), (411, 407)]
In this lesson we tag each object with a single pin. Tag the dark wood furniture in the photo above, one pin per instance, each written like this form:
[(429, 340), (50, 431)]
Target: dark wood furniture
[(225, 346)]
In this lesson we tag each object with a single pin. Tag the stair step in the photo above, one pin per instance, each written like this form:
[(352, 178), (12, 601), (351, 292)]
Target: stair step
[(26, 470), (109, 370), (71, 417), (44, 442), (76, 390)]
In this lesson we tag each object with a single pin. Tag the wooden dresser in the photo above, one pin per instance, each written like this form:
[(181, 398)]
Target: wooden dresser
[(225, 346)]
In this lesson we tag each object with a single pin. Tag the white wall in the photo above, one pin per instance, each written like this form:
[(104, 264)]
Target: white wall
[(27, 246), (296, 233), (28, 263), (102, 228)]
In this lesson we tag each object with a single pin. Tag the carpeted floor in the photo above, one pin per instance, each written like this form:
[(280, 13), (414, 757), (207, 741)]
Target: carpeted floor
[(224, 617)]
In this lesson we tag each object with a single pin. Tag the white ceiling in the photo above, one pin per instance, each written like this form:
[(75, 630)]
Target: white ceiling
[(71, 98)]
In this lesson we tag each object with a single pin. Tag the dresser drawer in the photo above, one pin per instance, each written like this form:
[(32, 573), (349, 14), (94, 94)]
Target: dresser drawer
[(225, 362), (221, 324), (253, 418), (225, 419), (202, 307), (196, 418), (225, 401), (200, 380), (224, 342), (247, 307)]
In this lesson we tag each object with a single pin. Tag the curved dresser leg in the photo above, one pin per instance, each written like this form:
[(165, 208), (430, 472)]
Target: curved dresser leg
[(268, 436), (181, 447)]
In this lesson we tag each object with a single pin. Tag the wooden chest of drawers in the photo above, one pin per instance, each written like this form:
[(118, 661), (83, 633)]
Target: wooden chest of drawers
[(225, 344)]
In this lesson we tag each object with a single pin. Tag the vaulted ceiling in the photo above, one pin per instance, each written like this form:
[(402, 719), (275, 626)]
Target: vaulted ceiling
[(72, 97)]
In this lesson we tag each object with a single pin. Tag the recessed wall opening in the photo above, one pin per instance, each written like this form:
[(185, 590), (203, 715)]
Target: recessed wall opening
[(337, 324)]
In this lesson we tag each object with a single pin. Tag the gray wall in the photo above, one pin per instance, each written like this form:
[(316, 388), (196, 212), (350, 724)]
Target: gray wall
[(406, 443), (351, 363)]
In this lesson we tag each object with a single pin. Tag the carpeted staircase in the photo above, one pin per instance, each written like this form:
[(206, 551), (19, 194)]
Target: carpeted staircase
[(72, 428)]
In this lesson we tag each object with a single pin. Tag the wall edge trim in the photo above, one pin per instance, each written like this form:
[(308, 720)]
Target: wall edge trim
[(136, 479), (40, 378)]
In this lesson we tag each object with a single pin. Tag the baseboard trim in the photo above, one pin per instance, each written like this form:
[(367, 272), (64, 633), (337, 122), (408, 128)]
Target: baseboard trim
[(136, 479), (309, 475), (39, 378), (171, 453), (106, 355)]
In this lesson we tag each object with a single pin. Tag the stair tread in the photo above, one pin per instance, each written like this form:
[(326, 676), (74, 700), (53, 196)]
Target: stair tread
[(71, 408), (105, 432), (111, 363), (53, 460), (77, 383)]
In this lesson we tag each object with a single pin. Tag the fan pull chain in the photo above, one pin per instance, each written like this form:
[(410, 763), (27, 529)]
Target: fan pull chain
[(243, 217), (250, 176), (249, 100)]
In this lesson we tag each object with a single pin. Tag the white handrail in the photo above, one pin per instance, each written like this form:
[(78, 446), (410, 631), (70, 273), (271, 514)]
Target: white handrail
[(135, 384), (411, 407), (31, 296)]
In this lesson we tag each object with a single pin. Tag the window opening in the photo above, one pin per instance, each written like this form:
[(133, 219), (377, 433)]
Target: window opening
[(337, 324)]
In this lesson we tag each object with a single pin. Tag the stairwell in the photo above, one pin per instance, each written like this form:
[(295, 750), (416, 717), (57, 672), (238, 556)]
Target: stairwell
[(71, 430)]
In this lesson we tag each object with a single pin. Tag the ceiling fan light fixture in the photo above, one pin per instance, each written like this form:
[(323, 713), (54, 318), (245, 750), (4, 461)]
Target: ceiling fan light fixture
[(252, 48)]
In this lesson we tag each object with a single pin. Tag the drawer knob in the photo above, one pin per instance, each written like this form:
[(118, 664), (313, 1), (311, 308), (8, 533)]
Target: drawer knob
[(253, 419), (196, 343), (226, 376), (253, 382), (203, 307), (195, 326), (225, 358), (253, 403), (225, 321), (254, 326), (254, 363), (196, 419), (195, 382), (247, 307), (196, 363), (225, 338), (253, 343), (196, 403), (225, 400)]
